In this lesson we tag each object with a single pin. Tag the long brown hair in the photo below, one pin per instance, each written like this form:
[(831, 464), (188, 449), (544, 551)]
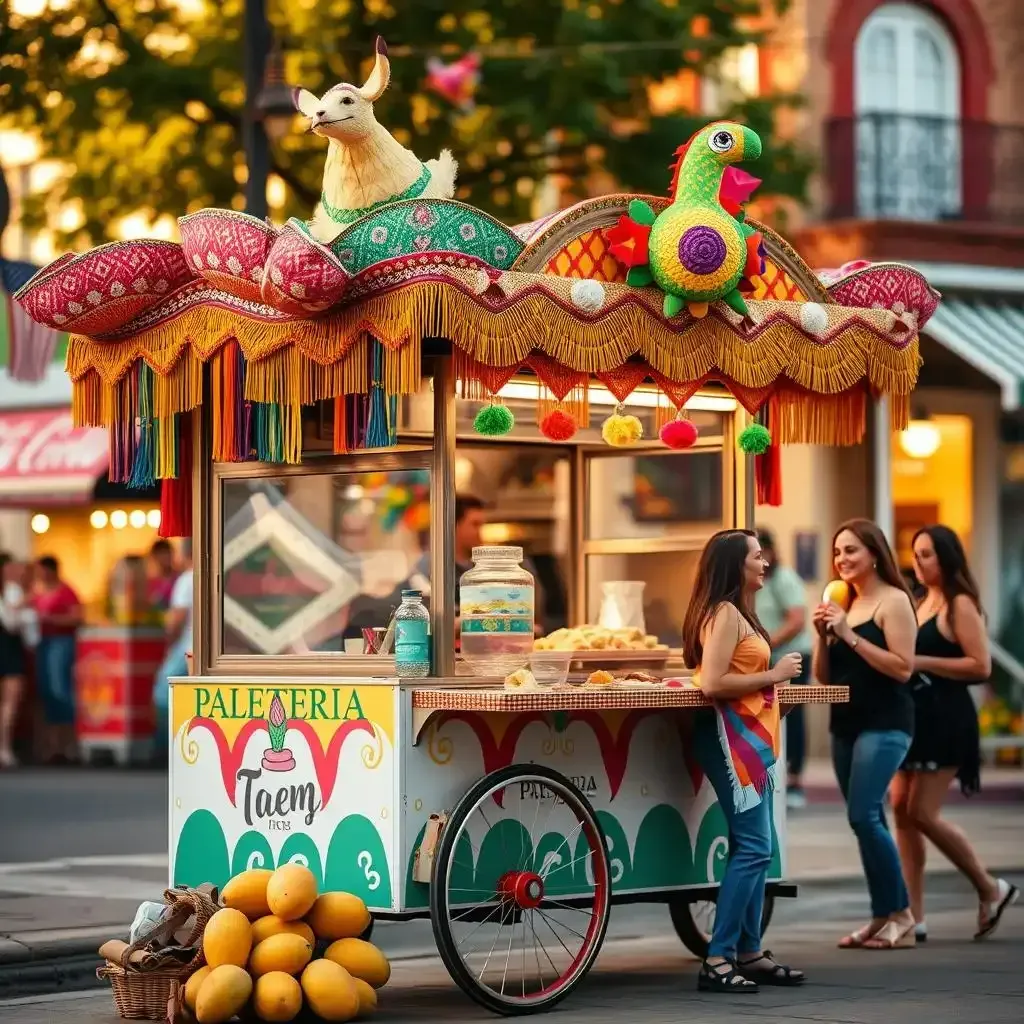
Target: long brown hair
[(719, 581), (956, 574), (870, 535)]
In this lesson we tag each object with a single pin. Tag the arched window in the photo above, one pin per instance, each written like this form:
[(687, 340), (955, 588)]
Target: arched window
[(907, 98)]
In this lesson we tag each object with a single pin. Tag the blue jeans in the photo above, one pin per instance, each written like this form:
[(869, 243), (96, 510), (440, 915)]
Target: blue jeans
[(174, 664), (737, 929), (55, 668), (864, 768)]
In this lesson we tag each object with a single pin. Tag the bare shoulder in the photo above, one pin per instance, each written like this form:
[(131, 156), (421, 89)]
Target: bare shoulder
[(963, 604), (897, 605), (724, 617)]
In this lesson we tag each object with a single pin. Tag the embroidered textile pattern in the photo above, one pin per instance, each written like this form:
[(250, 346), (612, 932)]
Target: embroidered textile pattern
[(427, 226)]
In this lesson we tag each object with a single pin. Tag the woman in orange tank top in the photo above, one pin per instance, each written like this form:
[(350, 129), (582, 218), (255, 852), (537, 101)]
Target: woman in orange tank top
[(737, 744)]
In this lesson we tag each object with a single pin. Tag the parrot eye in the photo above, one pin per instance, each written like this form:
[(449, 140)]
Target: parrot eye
[(721, 142)]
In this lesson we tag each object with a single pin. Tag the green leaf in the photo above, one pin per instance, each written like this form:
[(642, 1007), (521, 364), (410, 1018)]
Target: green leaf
[(277, 734), (641, 212), (639, 277)]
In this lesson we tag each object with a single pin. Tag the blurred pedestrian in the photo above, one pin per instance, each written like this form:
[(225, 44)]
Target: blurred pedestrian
[(952, 653), (869, 647), (60, 616), (163, 573), (727, 646), (18, 631), (178, 628), (782, 608)]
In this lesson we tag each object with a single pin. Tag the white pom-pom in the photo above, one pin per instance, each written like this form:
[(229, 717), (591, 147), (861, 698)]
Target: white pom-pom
[(813, 318), (587, 295)]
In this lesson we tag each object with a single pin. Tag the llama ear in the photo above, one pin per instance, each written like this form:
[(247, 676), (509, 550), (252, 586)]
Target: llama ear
[(305, 102), (373, 88)]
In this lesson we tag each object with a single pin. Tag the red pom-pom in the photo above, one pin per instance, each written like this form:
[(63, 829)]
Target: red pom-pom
[(558, 426), (678, 434)]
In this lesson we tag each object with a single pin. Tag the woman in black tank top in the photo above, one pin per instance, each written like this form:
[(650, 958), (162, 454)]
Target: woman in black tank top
[(952, 652), (869, 647)]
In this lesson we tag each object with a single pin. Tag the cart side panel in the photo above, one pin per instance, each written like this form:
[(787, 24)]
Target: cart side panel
[(664, 827), (246, 792)]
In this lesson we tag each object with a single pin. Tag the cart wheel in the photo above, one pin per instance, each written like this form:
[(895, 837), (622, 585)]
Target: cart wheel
[(506, 940), (694, 919)]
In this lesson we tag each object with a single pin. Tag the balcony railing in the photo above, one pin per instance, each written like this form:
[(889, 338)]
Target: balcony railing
[(902, 167)]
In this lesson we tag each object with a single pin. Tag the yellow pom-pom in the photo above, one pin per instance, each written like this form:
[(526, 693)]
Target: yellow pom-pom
[(621, 430)]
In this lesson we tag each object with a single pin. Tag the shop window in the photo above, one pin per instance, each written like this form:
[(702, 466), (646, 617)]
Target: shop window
[(308, 561), (668, 582), (655, 495), (932, 482)]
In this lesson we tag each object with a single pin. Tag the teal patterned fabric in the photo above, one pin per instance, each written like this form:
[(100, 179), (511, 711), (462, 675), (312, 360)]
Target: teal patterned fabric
[(426, 225)]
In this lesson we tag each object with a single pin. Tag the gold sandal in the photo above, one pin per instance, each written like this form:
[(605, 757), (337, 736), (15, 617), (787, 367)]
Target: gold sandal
[(893, 936), (856, 940)]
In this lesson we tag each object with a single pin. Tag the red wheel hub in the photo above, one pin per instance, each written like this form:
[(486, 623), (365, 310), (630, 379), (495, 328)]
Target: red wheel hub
[(525, 889)]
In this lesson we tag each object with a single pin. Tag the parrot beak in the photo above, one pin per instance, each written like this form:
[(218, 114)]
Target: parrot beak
[(751, 144)]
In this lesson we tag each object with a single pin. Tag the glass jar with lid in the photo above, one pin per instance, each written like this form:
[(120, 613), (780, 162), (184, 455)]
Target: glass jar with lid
[(496, 603)]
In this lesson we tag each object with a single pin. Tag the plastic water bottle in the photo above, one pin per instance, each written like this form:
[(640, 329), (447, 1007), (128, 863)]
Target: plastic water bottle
[(412, 636)]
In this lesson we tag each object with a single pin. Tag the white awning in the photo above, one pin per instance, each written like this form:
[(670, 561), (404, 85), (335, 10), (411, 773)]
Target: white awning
[(988, 334)]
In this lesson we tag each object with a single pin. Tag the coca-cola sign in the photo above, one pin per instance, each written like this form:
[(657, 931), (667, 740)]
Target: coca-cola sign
[(35, 444)]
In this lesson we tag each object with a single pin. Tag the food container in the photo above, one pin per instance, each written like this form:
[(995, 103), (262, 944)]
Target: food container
[(550, 668)]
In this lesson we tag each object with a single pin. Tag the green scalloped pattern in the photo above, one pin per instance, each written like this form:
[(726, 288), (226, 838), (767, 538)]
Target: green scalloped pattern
[(425, 225), (356, 861), (663, 857)]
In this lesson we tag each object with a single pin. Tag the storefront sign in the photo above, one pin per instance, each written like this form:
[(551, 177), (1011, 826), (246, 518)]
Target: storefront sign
[(274, 771), (45, 457)]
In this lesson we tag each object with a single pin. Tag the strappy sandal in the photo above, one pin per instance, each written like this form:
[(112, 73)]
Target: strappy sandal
[(770, 973), (990, 914), (723, 977), (893, 936), (856, 940)]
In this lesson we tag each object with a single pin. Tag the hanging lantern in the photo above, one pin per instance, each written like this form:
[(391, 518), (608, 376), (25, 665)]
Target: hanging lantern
[(679, 433), (621, 430), (558, 425), (494, 421)]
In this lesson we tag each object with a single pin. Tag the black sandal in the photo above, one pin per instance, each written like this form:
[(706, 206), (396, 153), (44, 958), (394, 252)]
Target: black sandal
[(723, 977), (771, 973)]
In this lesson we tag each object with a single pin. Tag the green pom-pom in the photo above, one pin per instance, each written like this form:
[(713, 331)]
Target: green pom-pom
[(493, 421), (755, 439)]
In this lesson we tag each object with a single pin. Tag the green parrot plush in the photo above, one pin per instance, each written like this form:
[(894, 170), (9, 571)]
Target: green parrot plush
[(699, 249)]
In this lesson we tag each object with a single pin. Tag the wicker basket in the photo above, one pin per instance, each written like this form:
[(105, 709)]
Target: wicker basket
[(146, 994)]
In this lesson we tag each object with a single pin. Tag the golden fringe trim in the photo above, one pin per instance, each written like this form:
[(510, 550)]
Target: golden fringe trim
[(576, 403), (304, 361), (800, 418), (899, 411)]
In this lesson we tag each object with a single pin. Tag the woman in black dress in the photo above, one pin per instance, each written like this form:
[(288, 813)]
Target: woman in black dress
[(952, 652)]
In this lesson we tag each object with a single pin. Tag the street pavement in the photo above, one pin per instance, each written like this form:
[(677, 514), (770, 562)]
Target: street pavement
[(947, 981), (80, 849)]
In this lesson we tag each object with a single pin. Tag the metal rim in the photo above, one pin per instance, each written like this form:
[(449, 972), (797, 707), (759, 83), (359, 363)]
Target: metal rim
[(542, 946)]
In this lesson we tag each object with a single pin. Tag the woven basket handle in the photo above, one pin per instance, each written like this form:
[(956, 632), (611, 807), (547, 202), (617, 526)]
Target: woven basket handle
[(192, 902), (163, 931)]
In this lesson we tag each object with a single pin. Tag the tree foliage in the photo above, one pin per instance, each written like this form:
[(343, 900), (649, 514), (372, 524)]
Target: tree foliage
[(142, 99)]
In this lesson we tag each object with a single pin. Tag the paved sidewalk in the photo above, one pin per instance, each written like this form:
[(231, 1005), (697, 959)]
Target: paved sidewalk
[(86, 900), (948, 981)]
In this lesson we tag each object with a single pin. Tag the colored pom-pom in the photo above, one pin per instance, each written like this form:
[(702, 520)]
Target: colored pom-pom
[(621, 431), (755, 439), (678, 433), (493, 421), (558, 426)]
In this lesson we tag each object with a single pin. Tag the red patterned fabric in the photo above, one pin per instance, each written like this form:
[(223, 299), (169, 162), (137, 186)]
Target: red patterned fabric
[(558, 379), (106, 287), (887, 286), (625, 379), (228, 249), (302, 276)]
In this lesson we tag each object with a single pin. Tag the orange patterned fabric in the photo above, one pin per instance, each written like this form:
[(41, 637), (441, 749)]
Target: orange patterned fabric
[(589, 257), (775, 283)]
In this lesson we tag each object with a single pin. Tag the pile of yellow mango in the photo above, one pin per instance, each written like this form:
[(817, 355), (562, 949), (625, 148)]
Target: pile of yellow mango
[(261, 957)]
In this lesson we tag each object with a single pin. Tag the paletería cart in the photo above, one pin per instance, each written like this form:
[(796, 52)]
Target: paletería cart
[(308, 402)]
